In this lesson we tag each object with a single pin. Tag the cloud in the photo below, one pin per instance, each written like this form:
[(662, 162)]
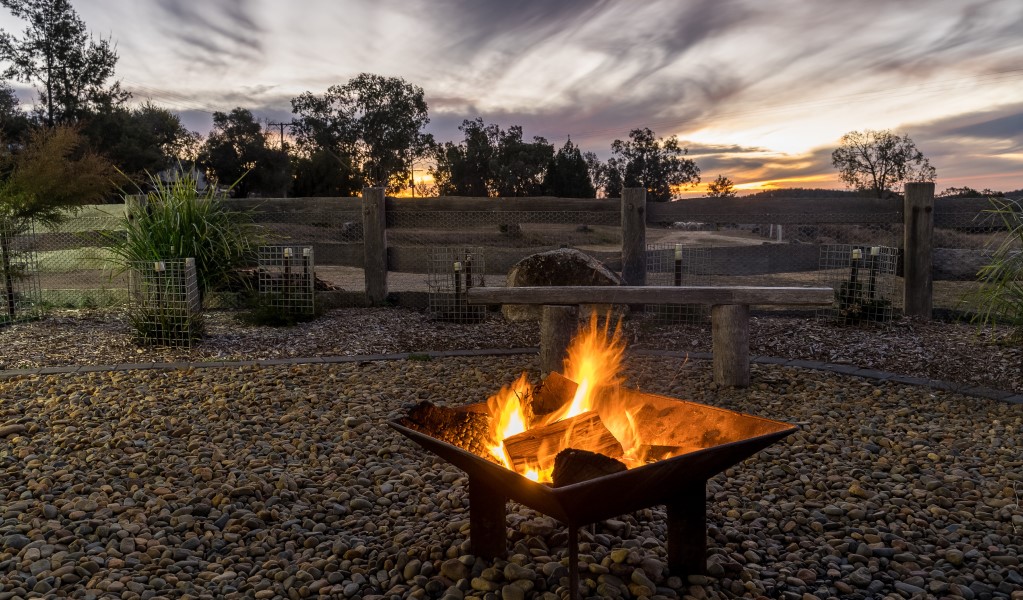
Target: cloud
[(213, 35)]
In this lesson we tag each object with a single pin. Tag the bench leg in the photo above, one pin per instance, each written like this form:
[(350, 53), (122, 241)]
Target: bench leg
[(730, 338), (557, 327)]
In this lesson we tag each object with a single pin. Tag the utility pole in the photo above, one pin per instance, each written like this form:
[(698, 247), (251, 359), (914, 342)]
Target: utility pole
[(284, 149), (282, 126)]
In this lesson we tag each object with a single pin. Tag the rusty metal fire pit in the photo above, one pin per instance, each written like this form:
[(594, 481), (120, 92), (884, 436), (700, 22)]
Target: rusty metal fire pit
[(720, 438)]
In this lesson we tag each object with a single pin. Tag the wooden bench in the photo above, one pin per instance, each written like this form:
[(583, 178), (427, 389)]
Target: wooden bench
[(729, 314)]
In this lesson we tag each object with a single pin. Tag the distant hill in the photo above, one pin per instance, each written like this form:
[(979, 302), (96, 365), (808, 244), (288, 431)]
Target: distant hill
[(803, 193)]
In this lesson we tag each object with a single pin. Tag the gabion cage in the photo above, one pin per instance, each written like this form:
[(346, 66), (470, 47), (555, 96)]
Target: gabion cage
[(864, 280), (287, 279), (165, 307), (677, 265), (19, 274), (453, 272)]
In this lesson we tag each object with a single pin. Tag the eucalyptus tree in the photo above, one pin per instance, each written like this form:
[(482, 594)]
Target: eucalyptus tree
[(371, 121), (70, 69), (659, 165), (879, 162)]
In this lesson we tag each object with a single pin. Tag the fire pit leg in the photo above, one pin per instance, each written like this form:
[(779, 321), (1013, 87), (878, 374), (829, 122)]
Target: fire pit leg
[(488, 537), (573, 562), (687, 531)]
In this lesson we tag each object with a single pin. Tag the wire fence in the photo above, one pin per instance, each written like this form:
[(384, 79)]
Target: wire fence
[(72, 264)]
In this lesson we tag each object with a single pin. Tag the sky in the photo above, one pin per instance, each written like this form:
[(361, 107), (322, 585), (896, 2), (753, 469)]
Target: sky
[(760, 92)]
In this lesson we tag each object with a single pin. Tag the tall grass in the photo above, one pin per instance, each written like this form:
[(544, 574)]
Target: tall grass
[(1000, 295), (177, 220)]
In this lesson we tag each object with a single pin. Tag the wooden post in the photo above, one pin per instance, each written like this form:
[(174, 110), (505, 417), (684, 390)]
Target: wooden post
[(374, 227), (729, 325), (918, 230), (634, 236), (557, 326)]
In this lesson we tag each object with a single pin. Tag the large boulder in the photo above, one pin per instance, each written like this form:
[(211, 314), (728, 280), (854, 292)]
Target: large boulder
[(565, 266)]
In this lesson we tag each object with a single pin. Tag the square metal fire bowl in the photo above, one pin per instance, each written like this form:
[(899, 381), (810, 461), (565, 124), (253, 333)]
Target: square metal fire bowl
[(721, 438)]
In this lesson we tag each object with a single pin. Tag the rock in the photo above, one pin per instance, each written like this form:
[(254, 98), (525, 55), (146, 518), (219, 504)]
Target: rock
[(454, 569), (565, 266), (11, 429)]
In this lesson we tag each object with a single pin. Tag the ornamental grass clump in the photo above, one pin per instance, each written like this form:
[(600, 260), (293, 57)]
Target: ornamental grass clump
[(177, 220), (999, 298)]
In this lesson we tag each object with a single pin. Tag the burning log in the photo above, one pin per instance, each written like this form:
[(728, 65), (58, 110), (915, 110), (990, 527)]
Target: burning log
[(575, 466), (537, 447), (469, 430), (555, 391)]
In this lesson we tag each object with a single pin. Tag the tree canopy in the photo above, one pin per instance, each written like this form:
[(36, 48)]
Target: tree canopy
[(374, 122), (659, 165), (491, 161), (70, 69), (568, 174), (878, 162), (237, 154), (721, 187)]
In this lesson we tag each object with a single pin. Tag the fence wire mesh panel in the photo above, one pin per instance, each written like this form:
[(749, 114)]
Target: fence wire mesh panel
[(165, 308), (677, 265), (758, 252), (966, 232), (507, 237), (864, 280), (335, 237), (19, 272), (453, 272), (76, 265), (286, 283)]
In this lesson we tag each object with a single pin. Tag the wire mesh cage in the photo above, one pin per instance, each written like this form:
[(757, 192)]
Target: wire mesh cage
[(864, 280), (287, 278), (19, 273), (453, 272), (165, 308), (677, 265)]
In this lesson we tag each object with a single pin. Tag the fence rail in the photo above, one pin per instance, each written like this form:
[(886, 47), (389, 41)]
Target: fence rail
[(755, 241)]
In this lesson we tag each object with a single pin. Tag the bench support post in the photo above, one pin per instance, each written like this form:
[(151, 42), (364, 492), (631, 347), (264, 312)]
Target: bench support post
[(730, 344), (557, 327)]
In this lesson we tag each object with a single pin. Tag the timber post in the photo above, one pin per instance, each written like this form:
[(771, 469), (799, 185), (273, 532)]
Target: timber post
[(557, 326), (729, 324), (918, 233), (634, 236), (374, 227)]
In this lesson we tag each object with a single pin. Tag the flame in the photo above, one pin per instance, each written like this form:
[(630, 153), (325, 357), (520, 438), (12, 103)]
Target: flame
[(594, 362), (508, 415)]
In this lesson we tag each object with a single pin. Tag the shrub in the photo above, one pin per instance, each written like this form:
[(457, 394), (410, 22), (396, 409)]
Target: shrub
[(177, 220)]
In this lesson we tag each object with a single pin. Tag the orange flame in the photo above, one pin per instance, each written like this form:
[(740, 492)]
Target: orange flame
[(508, 415), (594, 362)]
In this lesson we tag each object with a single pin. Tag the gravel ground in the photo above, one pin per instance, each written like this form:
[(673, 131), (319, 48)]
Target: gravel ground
[(282, 481)]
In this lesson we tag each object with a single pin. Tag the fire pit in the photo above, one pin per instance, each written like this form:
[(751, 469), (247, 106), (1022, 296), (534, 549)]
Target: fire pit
[(608, 450)]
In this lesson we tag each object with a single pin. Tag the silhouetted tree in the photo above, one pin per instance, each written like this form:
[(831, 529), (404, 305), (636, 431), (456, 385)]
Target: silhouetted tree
[(375, 121), (465, 169), (491, 161), (140, 140), (721, 187), (519, 166), (14, 123), (56, 53), (322, 174), (878, 161), (659, 165), (237, 153), (568, 174)]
